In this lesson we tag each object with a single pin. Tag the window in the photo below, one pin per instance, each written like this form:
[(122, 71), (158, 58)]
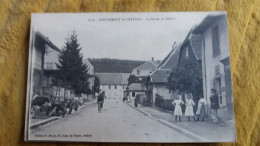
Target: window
[(133, 94), (123, 87), (215, 41), (187, 52), (138, 72), (109, 86), (115, 87), (217, 70)]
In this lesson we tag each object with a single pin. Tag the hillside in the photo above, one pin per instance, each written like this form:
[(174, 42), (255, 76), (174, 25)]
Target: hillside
[(106, 65)]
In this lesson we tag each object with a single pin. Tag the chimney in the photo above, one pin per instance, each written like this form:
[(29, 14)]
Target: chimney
[(152, 59)]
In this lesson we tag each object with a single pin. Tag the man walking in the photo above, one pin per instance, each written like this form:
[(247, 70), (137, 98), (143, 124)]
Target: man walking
[(100, 101)]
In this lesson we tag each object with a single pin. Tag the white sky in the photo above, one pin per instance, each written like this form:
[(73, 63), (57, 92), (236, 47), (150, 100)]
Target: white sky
[(134, 40)]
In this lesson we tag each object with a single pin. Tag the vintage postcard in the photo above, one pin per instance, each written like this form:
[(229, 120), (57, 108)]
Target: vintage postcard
[(160, 77)]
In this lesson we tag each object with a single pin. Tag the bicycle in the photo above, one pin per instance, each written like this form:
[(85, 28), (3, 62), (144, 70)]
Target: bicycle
[(100, 105)]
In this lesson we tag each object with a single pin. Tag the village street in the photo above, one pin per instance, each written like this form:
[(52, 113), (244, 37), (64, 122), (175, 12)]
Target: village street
[(117, 122)]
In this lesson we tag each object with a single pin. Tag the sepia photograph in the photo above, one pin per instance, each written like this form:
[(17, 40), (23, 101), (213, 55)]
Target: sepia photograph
[(157, 77)]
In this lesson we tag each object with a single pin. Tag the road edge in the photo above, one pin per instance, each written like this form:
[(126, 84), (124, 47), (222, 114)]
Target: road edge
[(46, 121), (173, 126)]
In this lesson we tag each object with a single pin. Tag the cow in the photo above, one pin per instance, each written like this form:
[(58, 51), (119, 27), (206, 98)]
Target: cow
[(40, 102), (74, 104), (64, 105)]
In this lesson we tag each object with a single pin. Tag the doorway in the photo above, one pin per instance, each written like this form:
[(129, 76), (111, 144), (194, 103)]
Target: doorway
[(217, 85)]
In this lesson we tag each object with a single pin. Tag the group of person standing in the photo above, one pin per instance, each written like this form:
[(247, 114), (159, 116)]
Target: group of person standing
[(201, 107)]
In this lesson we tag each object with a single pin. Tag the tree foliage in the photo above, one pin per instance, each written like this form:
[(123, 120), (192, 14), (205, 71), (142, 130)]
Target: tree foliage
[(72, 70), (186, 77), (96, 88), (108, 65), (133, 79)]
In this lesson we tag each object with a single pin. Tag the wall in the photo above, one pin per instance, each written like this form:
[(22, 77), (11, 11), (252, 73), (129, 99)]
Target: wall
[(136, 93), (212, 62), (112, 92), (161, 90), (183, 56), (51, 58), (36, 60), (141, 72)]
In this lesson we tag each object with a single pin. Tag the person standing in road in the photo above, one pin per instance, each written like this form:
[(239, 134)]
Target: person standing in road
[(177, 107), (214, 105), (100, 101), (136, 100)]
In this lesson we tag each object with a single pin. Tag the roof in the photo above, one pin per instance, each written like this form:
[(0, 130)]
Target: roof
[(146, 66), (113, 78), (40, 39), (208, 20), (136, 87), (171, 60), (195, 41), (195, 37), (87, 62), (156, 62), (160, 76)]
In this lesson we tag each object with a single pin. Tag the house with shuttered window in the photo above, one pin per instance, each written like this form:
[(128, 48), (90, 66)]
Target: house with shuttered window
[(216, 59)]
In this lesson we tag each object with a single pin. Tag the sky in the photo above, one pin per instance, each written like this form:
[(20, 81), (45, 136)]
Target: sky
[(133, 36)]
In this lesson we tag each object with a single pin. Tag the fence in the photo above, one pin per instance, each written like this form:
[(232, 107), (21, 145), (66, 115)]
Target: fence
[(165, 104)]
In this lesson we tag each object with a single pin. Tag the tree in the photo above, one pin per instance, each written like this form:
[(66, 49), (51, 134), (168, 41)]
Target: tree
[(133, 79), (96, 88), (71, 69), (187, 77)]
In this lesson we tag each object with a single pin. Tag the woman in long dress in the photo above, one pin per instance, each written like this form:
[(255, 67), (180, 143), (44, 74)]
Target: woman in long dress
[(201, 110), (189, 108), (177, 107)]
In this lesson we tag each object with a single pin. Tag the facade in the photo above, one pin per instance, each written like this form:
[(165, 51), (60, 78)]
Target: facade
[(43, 62), (157, 80), (145, 69), (50, 67), (190, 51), (46, 56), (216, 59), (91, 73), (113, 84), (136, 90)]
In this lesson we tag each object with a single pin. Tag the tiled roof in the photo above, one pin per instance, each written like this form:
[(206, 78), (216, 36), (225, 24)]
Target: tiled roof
[(195, 41), (171, 60), (40, 38), (136, 87), (210, 19), (156, 62), (166, 58), (113, 78), (160, 76), (146, 66), (86, 61)]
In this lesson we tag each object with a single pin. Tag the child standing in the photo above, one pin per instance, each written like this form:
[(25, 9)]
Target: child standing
[(189, 107), (177, 109), (201, 110)]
